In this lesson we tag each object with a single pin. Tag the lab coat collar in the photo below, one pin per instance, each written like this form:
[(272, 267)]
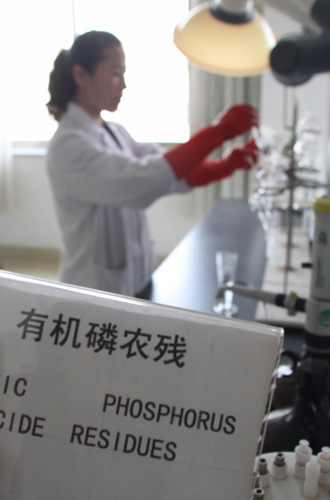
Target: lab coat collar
[(84, 119)]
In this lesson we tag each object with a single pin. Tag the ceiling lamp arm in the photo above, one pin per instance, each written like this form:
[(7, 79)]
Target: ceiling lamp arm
[(320, 12), (233, 11)]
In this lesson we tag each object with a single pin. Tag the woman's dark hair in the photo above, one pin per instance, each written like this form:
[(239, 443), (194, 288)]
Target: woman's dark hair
[(87, 50)]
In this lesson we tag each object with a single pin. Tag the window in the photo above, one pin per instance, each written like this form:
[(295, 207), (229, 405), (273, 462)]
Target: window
[(155, 103)]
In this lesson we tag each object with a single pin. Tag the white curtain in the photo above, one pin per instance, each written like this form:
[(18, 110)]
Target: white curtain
[(5, 174), (209, 95), (5, 158), (7, 109)]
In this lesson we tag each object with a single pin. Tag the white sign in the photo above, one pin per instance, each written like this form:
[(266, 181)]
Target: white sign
[(104, 396)]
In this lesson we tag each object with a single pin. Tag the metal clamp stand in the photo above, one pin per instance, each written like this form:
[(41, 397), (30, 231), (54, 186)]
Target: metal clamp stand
[(309, 417)]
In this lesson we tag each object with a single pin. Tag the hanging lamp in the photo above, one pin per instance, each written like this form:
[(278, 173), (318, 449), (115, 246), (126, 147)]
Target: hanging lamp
[(226, 36)]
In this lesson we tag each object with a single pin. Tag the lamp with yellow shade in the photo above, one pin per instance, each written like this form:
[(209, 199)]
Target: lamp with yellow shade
[(228, 37)]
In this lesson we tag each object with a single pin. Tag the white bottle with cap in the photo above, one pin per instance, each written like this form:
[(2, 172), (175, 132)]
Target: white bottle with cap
[(318, 304), (312, 475), (323, 459), (303, 454)]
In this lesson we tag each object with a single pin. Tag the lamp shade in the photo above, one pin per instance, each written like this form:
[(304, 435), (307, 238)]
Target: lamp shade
[(222, 47)]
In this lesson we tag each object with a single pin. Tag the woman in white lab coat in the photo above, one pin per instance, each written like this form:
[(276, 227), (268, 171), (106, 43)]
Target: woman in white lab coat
[(102, 180)]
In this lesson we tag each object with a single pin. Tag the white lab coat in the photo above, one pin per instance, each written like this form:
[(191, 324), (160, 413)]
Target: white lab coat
[(101, 193)]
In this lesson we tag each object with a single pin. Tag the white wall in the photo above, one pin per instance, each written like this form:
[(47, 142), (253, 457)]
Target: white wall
[(30, 222)]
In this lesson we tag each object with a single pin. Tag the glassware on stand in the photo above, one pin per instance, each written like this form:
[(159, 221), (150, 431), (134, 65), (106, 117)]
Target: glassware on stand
[(226, 266), (287, 180)]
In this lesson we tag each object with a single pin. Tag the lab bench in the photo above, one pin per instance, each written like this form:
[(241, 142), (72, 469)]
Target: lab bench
[(187, 277)]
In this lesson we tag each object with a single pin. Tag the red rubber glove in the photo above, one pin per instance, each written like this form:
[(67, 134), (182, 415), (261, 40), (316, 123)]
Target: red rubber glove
[(235, 121), (239, 157)]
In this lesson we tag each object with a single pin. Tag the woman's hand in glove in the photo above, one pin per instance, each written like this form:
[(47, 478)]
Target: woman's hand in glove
[(185, 157), (239, 157), (236, 120)]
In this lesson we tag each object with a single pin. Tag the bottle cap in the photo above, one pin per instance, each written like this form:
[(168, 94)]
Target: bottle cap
[(322, 205), (303, 452), (323, 459)]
